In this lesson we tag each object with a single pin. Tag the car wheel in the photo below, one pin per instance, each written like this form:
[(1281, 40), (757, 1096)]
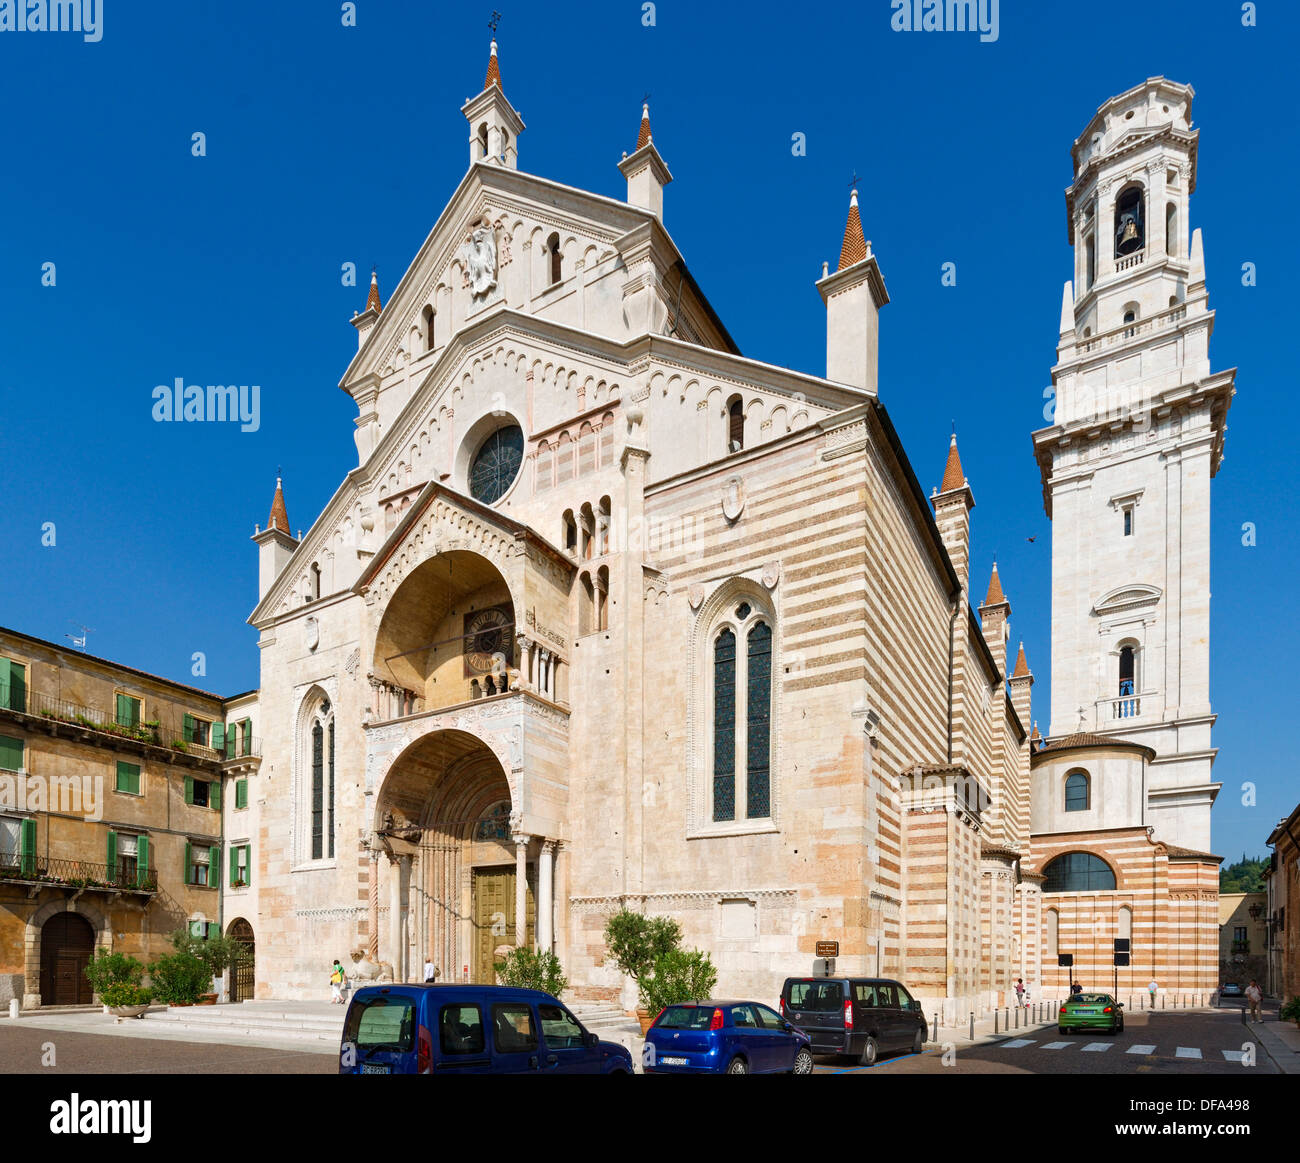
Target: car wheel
[(869, 1052), (1060, 1030), (738, 1066), (1120, 1028), (918, 1042), (803, 1061)]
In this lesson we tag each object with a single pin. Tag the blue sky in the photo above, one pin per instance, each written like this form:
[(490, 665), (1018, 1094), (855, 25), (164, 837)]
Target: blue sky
[(329, 144)]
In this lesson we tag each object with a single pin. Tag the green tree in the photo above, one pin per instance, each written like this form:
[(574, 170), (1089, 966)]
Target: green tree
[(636, 941), (678, 975), (1246, 875), (525, 968)]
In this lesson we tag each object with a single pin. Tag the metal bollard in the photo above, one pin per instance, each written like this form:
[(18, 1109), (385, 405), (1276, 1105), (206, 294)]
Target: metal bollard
[(1163, 997), (972, 1025), (934, 1030), (995, 1021)]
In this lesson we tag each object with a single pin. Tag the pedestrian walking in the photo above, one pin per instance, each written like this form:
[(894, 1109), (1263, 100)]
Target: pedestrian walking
[(1151, 989), (1020, 991), (338, 982), (1254, 995), (1076, 989), (430, 971)]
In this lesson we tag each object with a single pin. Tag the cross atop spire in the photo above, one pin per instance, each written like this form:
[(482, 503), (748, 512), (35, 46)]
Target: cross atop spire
[(855, 248), (372, 300)]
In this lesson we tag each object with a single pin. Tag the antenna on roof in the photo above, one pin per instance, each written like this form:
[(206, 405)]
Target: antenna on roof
[(79, 640)]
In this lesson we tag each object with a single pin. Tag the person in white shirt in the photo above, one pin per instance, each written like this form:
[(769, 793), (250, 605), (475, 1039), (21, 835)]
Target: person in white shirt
[(430, 971), (1254, 995)]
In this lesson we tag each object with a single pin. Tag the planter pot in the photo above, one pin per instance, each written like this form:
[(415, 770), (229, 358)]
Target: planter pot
[(178, 1004), (121, 1012), (207, 999), (645, 1018)]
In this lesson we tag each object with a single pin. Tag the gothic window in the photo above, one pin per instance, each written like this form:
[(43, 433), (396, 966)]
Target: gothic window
[(742, 714), (1078, 872), (427, 316), (1076, 792), (735, 425), (317, 780), (496, 464)]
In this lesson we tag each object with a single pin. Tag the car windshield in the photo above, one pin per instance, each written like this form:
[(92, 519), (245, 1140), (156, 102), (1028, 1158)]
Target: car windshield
[(1092, 999), (381, 1023), (685, 1018)]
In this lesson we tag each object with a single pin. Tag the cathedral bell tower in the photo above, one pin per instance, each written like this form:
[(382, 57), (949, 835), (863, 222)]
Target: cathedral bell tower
[(1137, 432), (494, 126)]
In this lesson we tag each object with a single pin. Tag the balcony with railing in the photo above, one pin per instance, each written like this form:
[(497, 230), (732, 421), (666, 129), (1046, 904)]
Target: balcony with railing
[(1125, 706), (1156, 322), (37, 872), (188, 737)]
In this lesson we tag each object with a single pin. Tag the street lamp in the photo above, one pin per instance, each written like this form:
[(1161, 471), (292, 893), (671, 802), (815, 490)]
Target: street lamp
[(1256, 911)]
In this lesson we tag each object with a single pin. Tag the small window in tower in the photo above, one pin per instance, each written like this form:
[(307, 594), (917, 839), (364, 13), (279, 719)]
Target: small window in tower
[(1128, 520), (428, 328), (735, 425), (1171, 229), (557, 258), (1127, 670), (1090, 264), (1130, 223), (483, 140)]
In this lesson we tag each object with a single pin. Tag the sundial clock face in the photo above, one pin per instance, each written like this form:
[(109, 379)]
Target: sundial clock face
[(488, 633)]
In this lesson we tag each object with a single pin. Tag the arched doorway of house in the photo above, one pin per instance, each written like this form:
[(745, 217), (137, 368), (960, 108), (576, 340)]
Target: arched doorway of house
[(67, 945), (243, 981), (462, 900)]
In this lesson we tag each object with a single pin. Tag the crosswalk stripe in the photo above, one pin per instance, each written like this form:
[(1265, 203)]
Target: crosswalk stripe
[(1057, 1045), (1187, 1052), (1234, 1055), (1097, 1047), (1017, 1043), (1141, 1050)]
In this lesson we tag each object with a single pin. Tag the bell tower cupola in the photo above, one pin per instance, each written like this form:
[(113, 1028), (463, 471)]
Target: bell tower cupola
[(494, 125)]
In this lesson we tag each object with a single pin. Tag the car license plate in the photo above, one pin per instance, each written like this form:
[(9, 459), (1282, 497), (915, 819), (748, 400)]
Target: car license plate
[(376, 1068), (673, 1061)]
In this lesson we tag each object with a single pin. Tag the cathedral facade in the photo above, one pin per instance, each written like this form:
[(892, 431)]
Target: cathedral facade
[(609, 615)]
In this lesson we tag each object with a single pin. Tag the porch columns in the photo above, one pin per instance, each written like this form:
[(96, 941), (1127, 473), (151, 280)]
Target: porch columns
[(521, 890), (372, 929), (546, 896), (397, 915), (544, 672)]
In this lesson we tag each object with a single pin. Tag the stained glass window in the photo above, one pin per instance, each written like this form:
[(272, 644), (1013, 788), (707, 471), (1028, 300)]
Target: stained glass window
[(759, 710), (317, 790), (724, 726), (496, 464)]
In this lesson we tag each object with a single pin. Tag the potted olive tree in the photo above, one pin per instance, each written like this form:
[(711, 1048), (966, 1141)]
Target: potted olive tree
[(634, 943), (116, 978), (677, 976)]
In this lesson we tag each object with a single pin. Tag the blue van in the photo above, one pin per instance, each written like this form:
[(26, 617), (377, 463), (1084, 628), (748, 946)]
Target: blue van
[(470, 1029)]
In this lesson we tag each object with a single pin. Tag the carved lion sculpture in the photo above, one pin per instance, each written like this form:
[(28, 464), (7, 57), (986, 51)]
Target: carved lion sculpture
[(363, 969)]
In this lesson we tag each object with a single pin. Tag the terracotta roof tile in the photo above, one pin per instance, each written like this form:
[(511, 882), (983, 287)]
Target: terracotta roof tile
[(1022, 670), (643, 138), (372, 300), (279, 518), (995, 595), (493, 69), (855, 245), (1174, 850), (1087, 739), (953, 477)]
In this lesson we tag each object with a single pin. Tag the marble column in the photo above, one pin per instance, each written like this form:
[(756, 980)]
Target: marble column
[(546, 897), (397, 897), (521, 890)]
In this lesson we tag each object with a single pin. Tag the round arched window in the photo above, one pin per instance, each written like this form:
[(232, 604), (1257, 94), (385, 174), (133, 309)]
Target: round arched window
[(1078, 872), (496, 464)]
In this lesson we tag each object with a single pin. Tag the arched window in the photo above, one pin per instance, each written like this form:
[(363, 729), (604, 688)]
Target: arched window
[(1130, 222), (494, 824), (570, 532), (1127, 670), (315, 582), (427, 316), (483, 140), (735, 425), (1078, 872), (1053, 932), (587, 522), (1077, 792), (318, 784), (586, 605), (602, 598), (603, 518), (1171, 229), (1090, 263), (742, 714), (556, 257), (1125, 922)]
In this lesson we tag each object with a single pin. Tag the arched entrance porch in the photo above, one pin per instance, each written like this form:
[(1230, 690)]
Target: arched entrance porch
[(462, 883)]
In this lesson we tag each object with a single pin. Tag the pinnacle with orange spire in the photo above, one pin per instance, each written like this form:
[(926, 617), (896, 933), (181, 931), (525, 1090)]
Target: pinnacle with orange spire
[(854, 249), (1022, 667), (995, 594), (372, 300), (279, 518), (643, 138), (953, 477), (493, 69)]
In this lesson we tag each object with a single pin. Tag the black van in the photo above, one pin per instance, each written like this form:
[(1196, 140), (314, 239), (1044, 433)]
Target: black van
[(858, 1016)]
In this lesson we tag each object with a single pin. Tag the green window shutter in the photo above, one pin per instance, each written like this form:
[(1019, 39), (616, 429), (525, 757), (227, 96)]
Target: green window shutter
[(214, 795), (234, 867), (13, 685), (214, 930), (189, 728), (248, 736), (248, 864), (188, 862), (241, 793), (6, 683), (218, 740), (128, 711), (214, 866), (11, 753), (189, 789), (112, 855), (128, 777), (27, 847), (142, 861)]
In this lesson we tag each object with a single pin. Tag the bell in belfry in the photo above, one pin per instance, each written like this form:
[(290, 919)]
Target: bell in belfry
[(1127, 238)]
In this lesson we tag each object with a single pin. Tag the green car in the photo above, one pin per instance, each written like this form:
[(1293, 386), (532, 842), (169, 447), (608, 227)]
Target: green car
[(1090, 1011)]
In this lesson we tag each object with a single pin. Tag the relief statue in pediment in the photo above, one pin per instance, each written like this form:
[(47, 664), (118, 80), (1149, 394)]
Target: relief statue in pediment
[(480, 255)]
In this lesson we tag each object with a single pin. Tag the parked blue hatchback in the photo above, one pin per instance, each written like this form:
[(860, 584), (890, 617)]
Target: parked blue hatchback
[(470, 1029), (725, 1037)]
